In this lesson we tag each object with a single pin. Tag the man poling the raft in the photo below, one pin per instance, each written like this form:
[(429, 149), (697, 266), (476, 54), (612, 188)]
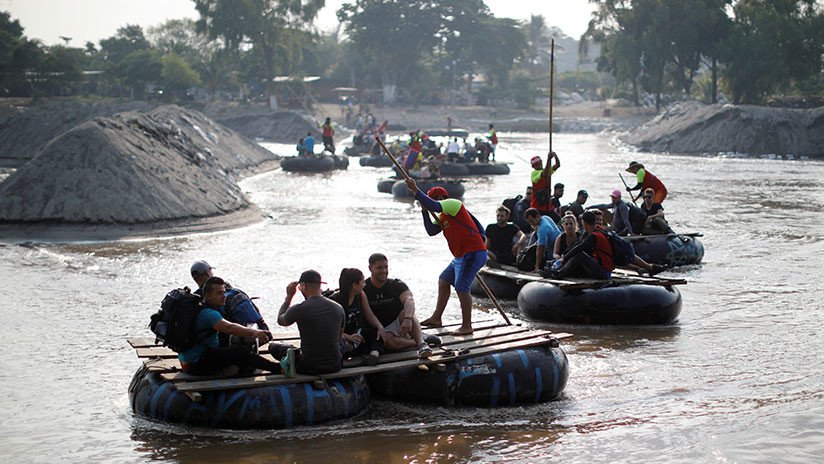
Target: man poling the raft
[(466, 240)]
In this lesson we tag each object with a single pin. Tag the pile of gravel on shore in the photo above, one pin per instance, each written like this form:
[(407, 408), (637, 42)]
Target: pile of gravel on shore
[(131, 168), (692, 127), (278, 127)]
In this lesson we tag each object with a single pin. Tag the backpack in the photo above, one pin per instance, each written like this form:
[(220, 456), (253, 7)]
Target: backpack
[(510, 203), (526, 258), (174, 323), (622, 250), (239, 308)]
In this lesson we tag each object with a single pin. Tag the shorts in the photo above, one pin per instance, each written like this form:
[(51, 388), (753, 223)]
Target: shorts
[(462, 271), (394, 328)]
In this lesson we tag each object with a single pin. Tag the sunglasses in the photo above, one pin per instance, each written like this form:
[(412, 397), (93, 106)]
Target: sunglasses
[(647, 196)]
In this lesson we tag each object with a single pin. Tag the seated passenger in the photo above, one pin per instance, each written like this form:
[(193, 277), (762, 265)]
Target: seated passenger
[(320, 323), (519, 209), (569, 236), (359, 334), (239, 308), (577, 206), (655, 223), (206, 357), (546, 232), (393, 306), (626, 219), (591, 256), (503, 238)]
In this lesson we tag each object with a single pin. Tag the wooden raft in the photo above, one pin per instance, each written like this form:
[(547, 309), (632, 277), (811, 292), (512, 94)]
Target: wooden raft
[(489, 337), (619, 277)]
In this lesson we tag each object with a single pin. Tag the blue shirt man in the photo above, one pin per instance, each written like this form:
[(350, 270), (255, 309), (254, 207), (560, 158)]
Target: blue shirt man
[(546, 232), (309, 144)]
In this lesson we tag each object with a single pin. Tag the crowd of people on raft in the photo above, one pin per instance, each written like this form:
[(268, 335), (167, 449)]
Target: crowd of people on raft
[(571, 240)]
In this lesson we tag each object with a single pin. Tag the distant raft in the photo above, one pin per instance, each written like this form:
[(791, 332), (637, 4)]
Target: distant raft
[(672, 250), (323, 163), (455, 188), (266, 407), (381, 161), (447, 132), (528, 375), (385, 185), (474, 169), (634, 304)]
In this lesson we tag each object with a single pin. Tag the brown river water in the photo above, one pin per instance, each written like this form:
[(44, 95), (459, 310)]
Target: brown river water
[(739, 378)]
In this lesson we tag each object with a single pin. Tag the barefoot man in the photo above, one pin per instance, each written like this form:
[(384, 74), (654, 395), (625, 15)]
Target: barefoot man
[(466, 240)]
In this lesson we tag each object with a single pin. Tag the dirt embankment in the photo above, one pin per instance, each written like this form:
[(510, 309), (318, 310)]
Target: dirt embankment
[(145, 172), (258, 122), (692, 127)]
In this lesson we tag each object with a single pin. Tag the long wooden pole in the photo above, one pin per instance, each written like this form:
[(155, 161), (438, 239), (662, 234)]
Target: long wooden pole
[(551, 87), (631, 196), (486, 288)]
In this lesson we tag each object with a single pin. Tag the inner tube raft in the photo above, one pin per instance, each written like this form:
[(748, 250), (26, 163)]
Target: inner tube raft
[(521, 376), (633, 304), (672, 250), (385, 185), (454, 188), (266, 407), (474, 169), (502, 287), (376, 161), (314, 164)]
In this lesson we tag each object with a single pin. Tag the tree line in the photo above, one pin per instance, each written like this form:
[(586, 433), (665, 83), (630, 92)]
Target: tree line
[(429, 51)]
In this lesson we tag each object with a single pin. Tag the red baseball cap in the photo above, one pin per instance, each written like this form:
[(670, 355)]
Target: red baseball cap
[(436, 192)]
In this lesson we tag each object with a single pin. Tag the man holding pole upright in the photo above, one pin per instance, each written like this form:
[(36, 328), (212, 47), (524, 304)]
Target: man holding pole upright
[(541, 178), (466, 240)]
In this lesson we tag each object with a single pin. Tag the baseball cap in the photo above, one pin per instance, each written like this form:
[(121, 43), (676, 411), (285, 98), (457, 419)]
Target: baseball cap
[(583, 192), (200, 267), (535, 160), (310, 277), (615, 193), (436, 192)]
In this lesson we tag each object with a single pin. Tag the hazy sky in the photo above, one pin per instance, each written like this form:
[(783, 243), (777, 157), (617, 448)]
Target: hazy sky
[(92, 20)]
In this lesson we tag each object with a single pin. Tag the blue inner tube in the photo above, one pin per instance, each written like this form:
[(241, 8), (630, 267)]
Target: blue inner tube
[(521, 376), (455, 189), (296, 164), (672, 250), (488, 169), (276, 406), (625, 304), (385, 185)]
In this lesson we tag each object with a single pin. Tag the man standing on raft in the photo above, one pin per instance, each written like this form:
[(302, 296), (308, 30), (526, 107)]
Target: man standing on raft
[(466, 240)]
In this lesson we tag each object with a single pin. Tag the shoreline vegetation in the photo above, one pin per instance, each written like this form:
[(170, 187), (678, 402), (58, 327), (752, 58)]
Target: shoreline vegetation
[(111, 169)]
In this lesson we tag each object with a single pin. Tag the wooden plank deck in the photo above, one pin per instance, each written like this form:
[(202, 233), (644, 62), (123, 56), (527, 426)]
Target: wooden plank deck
[(492, 339), (620, 277)]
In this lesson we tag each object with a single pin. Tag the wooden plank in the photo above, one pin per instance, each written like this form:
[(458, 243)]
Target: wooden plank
[(626, 278), (534, 338), (539, 338), (636, 238)]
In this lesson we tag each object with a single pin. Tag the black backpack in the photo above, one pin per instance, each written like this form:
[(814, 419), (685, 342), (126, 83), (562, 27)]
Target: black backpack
[(623, 252), (174, 323), (510, 203)]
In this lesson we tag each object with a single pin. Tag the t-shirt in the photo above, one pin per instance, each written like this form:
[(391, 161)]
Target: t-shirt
[(309, 144), (385, 302), (353, 319), (206, 320), (652, 209), (319, 322), (501, 237), (548, 231)]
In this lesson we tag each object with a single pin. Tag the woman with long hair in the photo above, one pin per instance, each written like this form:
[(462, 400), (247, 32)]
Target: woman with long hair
[(359, 333)]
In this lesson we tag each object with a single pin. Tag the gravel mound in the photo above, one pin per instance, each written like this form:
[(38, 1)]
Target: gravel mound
[(278, 127), (132, 168), (691, 127)]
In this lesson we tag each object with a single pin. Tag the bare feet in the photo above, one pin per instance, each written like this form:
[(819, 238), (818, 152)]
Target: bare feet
[(463, 330), (431, 322)]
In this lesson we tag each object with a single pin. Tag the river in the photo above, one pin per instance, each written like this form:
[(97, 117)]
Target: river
[(738, 378)]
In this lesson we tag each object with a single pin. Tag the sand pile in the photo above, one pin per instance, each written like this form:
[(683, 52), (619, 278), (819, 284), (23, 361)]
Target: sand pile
[(278, 127), (24, 131), (691, 127), (131, 168)]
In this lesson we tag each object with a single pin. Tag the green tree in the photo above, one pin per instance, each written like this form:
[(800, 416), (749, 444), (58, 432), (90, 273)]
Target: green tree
[(139, 68), (17, 56), (177, 75), (267, 25)]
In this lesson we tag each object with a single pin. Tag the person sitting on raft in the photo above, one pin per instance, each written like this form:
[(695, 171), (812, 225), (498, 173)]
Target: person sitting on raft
[(646, 181), (654, 223), (577, 206), (300, 147), (207, 357), (541, 178), (569, 236), (320, 323), (557, 193), (590, 257), (638, 264), (626, 219), (465, 237), (503, 238), (392, 304), (309, 145), (546, 232), (246, 313), (359, 334)]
